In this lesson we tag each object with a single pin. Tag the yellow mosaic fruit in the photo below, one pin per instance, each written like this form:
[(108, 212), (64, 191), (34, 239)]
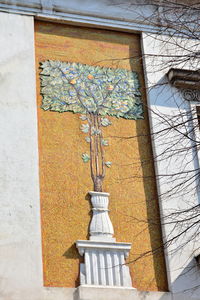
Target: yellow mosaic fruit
[(110, 87), (73, 81), (90, 76)]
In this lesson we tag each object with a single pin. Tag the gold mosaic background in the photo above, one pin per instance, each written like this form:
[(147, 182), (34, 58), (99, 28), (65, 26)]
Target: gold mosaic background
[(65, 179)]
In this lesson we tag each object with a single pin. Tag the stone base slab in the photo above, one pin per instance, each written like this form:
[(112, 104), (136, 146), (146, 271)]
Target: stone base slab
[(118, 293)]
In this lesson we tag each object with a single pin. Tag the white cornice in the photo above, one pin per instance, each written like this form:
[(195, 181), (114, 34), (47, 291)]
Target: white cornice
[(126, 15), (101, 15)]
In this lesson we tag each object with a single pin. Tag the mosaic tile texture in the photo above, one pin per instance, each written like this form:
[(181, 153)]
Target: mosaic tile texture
[(65, 180)]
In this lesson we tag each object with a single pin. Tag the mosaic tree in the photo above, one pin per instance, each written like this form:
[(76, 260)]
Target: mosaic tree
[(96, 93)]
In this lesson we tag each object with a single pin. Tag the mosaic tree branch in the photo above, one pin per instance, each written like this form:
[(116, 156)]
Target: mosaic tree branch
[(97, 157), (95, 93)]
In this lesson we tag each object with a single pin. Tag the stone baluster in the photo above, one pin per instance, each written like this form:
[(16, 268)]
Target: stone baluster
[(101, 227)]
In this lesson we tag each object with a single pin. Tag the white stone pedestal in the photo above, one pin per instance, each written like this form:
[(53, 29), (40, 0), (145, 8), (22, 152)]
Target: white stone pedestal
[(104, 258), (104, 263)]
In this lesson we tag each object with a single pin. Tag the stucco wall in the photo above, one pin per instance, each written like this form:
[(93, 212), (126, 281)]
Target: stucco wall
[(174, 154), (21, 268)]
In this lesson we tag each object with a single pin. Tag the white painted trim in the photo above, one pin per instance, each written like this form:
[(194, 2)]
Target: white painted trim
[(98, 18), (150, 117), (103, 245), (86, 20), (196, 137)]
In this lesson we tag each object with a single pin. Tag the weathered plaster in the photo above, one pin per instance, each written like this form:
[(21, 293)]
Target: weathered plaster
[(165, 100), (20, 249)]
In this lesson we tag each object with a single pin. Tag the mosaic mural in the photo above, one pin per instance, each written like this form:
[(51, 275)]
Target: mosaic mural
[(96, 93)]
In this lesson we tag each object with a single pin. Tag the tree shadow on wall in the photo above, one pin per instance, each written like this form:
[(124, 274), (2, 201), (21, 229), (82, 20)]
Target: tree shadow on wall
[(72, 253), (151, 195)]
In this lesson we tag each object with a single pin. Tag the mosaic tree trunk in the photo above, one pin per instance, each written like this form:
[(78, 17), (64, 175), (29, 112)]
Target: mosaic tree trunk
[(97, 161)]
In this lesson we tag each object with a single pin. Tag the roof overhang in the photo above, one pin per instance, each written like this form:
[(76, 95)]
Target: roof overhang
[(185, 79)]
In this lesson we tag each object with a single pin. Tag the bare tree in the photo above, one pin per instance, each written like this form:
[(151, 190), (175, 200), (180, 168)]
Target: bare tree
[(175, 31)]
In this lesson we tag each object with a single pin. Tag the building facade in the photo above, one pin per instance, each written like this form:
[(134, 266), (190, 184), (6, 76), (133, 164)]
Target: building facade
[(147, 246)]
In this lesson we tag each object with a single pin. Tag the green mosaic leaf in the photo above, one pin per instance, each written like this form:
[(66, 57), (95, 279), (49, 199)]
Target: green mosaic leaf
[(83, 117), (85, 128), (86, 89), (95, 131), (85, 157), (87, 139), (104, 142), (108, 164), (105, 122)]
